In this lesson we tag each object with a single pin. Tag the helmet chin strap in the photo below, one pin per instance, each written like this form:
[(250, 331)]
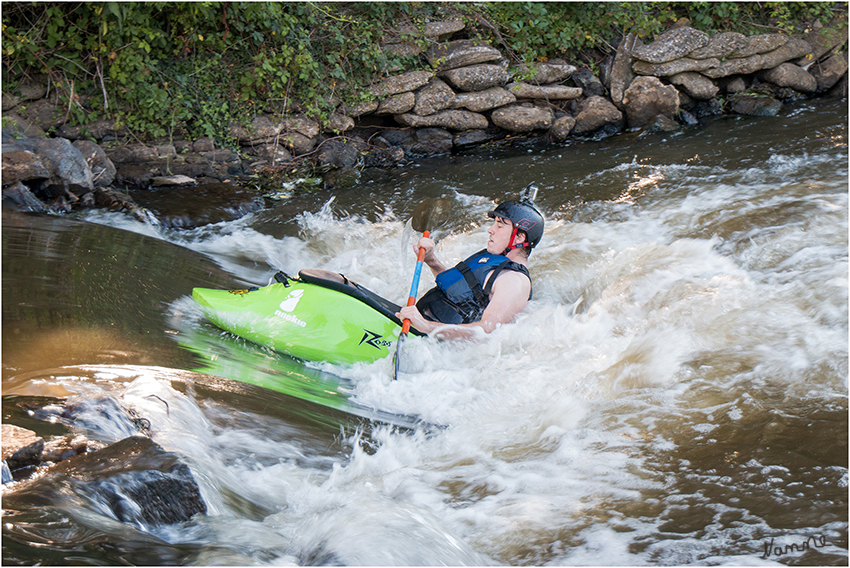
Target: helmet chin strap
[(511, 245)]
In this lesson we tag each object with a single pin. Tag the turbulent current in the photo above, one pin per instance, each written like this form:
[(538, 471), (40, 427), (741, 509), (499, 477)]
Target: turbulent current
[(674, 393)]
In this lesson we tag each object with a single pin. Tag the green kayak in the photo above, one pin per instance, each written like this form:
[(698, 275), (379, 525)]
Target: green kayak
[(318, 316)]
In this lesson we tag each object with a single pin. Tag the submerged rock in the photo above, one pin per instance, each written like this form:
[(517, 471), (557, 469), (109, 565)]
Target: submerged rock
[(755, 106), (134, 481), (185, 207)]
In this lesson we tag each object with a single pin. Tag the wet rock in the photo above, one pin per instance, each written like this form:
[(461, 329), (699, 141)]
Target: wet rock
[(661, 123), (522, 118), (190, 207), (670, 45), (595, 113), (476, 77), (472, 138), (338, 153), (697, 86), (383, 157), (484, 100), (450, 119), (102, 169), (21, 197), (111, 198), (460, 53), (544, 92), (791, 76), (397, 104), (400, 84), (396, 137), (431, 141), (561, 128), (588, 82), (21, 447), (66, 447), (433, 97), (646, 98), (687, 118), (755, 106), (341, 178), (137, 175), (133, 481)]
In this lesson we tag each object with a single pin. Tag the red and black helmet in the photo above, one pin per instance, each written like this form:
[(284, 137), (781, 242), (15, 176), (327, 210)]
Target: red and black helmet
[(524, 217)]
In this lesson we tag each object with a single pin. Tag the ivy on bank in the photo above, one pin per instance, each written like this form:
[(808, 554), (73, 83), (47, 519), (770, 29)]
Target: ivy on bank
[(193, 68)]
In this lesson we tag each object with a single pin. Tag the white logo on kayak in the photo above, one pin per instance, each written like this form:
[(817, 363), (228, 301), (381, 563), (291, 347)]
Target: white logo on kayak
[(287, 305)]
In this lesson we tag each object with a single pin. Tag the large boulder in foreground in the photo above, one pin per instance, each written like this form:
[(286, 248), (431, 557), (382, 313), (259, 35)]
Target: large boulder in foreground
[(134, 481)]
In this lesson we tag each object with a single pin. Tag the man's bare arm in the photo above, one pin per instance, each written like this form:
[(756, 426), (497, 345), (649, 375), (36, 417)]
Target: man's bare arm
[(508, 297)]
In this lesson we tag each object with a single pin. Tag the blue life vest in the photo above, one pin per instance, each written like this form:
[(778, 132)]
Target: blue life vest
[(460, 295)]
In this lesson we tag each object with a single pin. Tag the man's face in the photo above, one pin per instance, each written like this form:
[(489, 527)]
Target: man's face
[(500, 235)]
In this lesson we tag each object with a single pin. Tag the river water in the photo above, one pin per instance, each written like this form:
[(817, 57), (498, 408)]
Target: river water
[(675, 393)]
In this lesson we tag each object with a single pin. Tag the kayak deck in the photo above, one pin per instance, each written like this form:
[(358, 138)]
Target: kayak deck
[(319, 316)]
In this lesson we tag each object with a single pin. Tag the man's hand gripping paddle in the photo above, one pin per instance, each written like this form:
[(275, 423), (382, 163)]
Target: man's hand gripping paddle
[(428, 214)]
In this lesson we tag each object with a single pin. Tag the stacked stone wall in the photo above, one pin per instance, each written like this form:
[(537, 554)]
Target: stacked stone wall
[(469, 95)]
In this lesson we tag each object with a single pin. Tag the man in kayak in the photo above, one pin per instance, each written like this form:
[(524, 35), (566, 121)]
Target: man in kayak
[(487, 289)]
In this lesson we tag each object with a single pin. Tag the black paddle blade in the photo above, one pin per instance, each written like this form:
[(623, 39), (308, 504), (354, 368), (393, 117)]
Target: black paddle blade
[(430, 214)]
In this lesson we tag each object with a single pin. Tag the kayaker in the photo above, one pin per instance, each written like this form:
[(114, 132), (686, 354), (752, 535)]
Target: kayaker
[(487, 289)]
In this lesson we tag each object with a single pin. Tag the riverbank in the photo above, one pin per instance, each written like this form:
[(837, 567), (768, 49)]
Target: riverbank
[(471, 94)]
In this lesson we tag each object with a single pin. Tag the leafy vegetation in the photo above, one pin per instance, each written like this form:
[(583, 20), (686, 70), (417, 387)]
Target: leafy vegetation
[(193, 68)]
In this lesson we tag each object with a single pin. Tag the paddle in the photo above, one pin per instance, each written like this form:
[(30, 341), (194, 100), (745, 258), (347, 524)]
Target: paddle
[(424, 216)]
